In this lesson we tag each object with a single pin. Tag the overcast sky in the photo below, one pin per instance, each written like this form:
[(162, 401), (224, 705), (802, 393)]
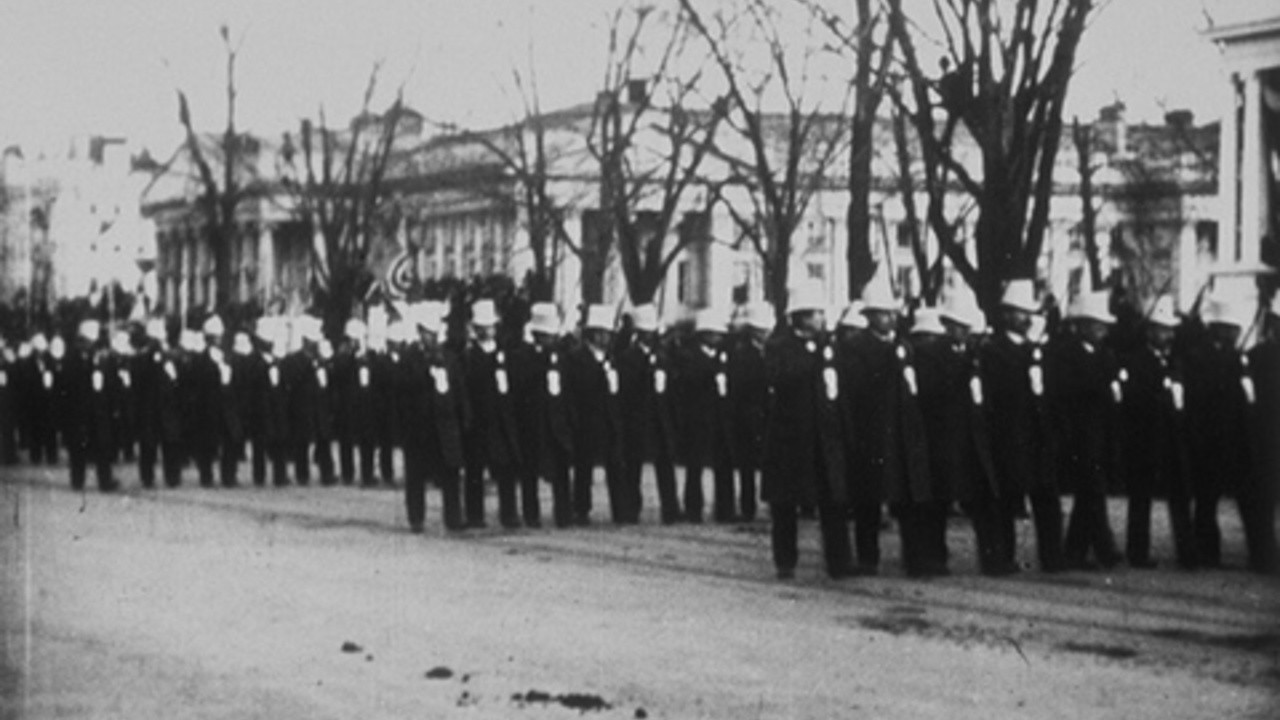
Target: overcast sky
[(95, 66)]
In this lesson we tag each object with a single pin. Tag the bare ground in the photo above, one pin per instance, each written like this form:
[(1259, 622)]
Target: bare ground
[(316, 603)]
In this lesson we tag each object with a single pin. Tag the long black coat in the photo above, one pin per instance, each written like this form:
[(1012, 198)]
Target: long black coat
[(40, 404), (703, 384), (804, 440), (888, 438), (310, 409), (543, 409), (214, 408), (1264, 368), (1154, 426), (357, 397), (1021, 439), (648, 418), (267, 410), (598, 432), (1219, 418), (433, 413), (491, 439), (8, 404), (954, 419), (749, 401), (1084, 413), (383, 371), (145, 368), (87, 393)]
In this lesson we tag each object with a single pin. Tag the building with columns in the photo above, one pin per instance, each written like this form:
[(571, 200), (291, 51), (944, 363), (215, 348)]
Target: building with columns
[(1250, 161), (462, 212)]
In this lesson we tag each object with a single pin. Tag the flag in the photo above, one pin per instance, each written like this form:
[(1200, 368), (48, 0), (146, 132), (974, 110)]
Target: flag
[(401, 277), (390, 263)]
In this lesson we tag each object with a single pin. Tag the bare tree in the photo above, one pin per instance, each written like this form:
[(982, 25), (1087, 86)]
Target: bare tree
[(339, 184), (1084, 139), (789, 152), (219, 198), (649, 156), (871, 53), (527, 151), (1003, 77)]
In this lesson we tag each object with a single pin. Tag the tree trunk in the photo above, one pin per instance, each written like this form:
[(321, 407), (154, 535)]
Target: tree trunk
[(861, 267)]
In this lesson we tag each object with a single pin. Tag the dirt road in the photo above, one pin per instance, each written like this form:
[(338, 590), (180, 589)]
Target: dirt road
[(315, 603)]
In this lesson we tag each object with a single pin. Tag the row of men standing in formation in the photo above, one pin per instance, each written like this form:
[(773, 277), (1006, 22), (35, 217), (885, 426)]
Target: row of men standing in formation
[(550, 408), (846, 422), (868, 417)]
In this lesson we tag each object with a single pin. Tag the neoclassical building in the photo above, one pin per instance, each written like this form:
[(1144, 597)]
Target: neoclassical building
[(461, 211), (1250, 161)]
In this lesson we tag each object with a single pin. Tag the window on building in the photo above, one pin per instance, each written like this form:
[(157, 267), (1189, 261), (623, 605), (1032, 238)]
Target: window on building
[(907, 281), (816, 270), (683, 289), (488, 243), (449, 242), (906, 230), (1207, 238), (430, 243)]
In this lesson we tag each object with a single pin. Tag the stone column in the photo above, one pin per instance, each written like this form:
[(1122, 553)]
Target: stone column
[(1253, 183)]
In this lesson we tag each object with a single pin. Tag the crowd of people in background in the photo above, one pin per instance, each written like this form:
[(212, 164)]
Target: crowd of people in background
[(839, 415)]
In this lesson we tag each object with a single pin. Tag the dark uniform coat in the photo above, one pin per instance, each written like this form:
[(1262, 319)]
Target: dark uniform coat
[(310, 410), (1081, 381), (647, 414), (749, 399), (1154, 424), (953, 406), (215, 407), (1218, 410), (433, 404), (593, 388), (705, 406), (804, 441), (544, 413), (1021, 443), (491, 438), (357, 402), (887, 440)]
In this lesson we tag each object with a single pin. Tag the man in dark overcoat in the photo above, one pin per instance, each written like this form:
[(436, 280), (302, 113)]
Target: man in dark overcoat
[(1155, 440), (598, 435), (491, 440), (953, 404), (703, 382), (1220, 393), (8, 404), (1258, 497), (307, 375), (647, 382), (1013, 377), (382, 378), (544, 416), (86, 400), (433, 415), (357, 404), (804, 441), (1085, 390), (749, 400), (215, 407), (889, 441), (39, 374)]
